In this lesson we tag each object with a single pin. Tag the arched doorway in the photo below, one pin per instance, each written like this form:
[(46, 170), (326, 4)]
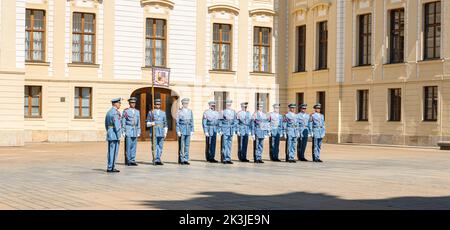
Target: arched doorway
[(144, 105)]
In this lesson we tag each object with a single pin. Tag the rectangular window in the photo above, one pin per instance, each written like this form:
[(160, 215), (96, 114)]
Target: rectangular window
[(261, 49), (323, 46), (83, 102), (263, 98), (321, 100), (363, 105), (365, 39), (83, 38), (220, 98), (35, 35), (395, 104), (155, 43), (33, 101), (430, 110), (221, 47), (397, 36), (299, 99), (432, 30), (301, 49)]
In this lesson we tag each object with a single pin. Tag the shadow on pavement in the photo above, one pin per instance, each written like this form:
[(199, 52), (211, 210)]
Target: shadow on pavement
[(297, 201)]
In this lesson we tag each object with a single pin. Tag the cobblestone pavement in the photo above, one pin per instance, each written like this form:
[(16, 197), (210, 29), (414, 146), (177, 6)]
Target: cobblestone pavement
[(72, 176)]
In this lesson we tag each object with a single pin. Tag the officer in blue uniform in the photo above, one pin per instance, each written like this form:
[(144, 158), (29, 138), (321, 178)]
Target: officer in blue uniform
[(210, 124), (185, 129), (131, 121), (305, 132), (113, 126), (158, 121), (260, 130), (276, 131), (318, 132), (291, 133), (227, 129), (244, 131)]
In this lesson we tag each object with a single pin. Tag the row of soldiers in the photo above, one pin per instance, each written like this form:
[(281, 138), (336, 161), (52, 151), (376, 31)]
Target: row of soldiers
[(296, 128)]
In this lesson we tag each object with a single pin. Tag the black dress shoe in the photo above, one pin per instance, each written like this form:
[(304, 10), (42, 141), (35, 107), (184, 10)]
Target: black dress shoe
[(304, 159), (187, 163), (115, 170), (159, 163), (276, 160), (181, 163), (319, 161), (133, 164), (228, 162), (245, 160), (109, 171), (213, 161)]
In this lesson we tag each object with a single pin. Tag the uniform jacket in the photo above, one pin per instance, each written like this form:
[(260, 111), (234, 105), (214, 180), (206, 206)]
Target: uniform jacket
[(185, 122), (304, 122), (290, 125), (318, 125), (160, 119), (260, 125), (276, 123), (228, 122), (210, 122), (113, 125), (244, 123), (131, 121)]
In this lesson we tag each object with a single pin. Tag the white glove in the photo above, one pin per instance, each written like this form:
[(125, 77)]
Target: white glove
[(192, 133), (139, 135), (149, 124), (179, 134), (207, 134), (165, 131), (253, 137), (270, 134), (220, 133), (284, 135), (238, 133), (309, 135)]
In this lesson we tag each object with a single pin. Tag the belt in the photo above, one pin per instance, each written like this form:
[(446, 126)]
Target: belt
[(110, 126), (317, 126)]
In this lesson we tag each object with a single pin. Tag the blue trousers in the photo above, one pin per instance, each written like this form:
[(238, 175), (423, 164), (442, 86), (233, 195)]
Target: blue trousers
[(159, 148), (183, 148), (113, 151), (131, 143), (259, 148), (226, 147), (302, 143), (317, 146), (210, 147), (291, 144), (242, 147), (274, 146)]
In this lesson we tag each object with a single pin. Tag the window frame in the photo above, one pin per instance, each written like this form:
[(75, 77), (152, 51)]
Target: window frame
[(220, 42), (434, 27), (301, 49), (80, 102), (322, 102), (363, 111), (392, 117), (365, 59), (434, 105), (397, 55), (82, 33), (258, 97), (29, 88), (31, 30), (260, 46), (221, 105), (299, 101), (322, 57), (155, 38)]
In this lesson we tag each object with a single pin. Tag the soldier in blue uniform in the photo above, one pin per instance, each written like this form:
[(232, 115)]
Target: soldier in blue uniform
[(260, 130), (113, 126), (185, 129), (318, 132), (291, 132), (276, 131), (210, 123), (227, 129), (157, 120), (131, 121), (305, 132), (244, 131)]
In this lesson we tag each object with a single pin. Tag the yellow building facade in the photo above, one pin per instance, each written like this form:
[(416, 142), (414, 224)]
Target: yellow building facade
[(380, 68)]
